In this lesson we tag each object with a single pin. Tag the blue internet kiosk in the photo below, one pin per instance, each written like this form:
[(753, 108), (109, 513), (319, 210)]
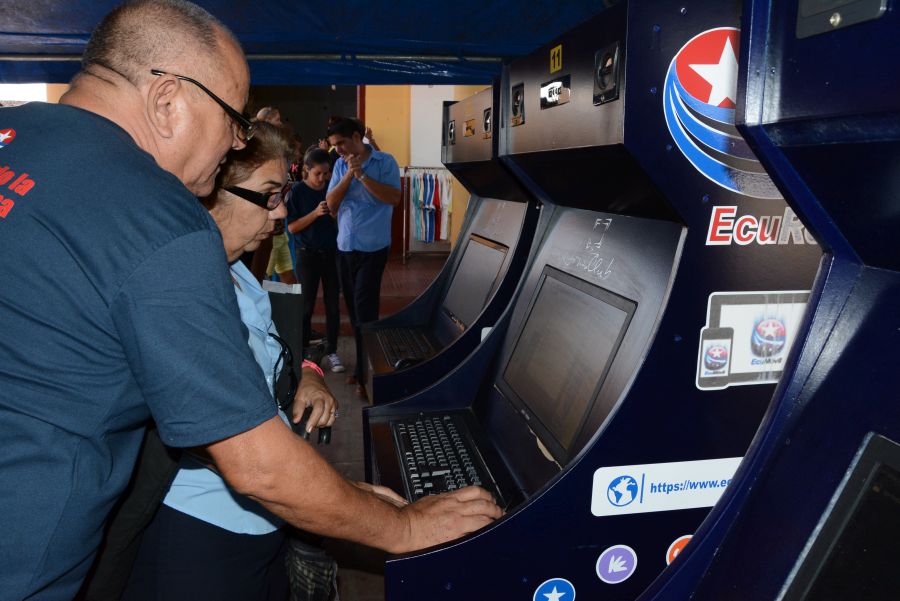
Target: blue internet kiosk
[(665, 298), (430, 337), (813, 513)]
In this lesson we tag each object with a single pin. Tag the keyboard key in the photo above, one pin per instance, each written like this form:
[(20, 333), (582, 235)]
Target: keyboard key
[(437, 455)]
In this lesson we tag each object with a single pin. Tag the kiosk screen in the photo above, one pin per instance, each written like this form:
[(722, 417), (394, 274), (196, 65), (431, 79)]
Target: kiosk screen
[(853, 552), (474, 278), (563, 354)]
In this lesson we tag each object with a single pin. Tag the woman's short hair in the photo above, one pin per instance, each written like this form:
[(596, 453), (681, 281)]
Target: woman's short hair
[(269, 142)]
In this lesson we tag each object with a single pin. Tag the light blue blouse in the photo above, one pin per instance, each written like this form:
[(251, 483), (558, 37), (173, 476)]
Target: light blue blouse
[(198, 491)]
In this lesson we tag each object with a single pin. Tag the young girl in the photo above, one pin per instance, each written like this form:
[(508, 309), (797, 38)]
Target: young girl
[(315, 238)]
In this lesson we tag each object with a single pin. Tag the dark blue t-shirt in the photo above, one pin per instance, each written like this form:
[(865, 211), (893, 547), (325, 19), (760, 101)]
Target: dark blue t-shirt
[(322, 234), (115, 305)]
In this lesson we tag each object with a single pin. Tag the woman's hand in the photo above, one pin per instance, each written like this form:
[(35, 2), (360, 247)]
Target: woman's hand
[(313, 392)]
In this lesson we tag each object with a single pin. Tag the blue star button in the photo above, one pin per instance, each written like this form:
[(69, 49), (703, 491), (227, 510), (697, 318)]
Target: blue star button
[(555, 589)]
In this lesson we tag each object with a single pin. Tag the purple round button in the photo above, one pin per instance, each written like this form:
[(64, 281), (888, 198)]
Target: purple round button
[(616, 564)]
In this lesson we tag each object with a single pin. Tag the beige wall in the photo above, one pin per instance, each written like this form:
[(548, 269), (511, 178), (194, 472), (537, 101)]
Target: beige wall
[(387, 113), (55, 91), (462, 92)]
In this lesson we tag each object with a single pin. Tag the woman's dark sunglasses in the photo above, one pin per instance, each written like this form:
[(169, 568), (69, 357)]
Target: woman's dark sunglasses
[(285, 360), (266, 200)]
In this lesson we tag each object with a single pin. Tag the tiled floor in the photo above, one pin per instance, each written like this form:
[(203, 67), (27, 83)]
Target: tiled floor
[(360, 568), (399, 285)]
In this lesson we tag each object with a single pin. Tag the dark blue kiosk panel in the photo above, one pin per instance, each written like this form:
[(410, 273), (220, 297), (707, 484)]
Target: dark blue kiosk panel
[(419, 345), (666, 298), (814, 512)]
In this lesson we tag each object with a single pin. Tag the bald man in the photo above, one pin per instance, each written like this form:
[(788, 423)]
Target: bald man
[(117, 307)]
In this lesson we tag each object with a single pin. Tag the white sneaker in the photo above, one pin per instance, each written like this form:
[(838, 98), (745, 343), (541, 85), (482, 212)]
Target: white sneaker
[(335, 361)]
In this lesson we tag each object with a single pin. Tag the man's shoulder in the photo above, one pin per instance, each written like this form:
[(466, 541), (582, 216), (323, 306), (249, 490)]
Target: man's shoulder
[(78, 142), (380, 155), (387, 167), (61, 123), (92, 159)]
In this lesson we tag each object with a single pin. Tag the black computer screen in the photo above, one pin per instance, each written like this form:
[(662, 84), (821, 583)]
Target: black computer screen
[(863, 562), (471, 286), (853, 553), (563, 353)]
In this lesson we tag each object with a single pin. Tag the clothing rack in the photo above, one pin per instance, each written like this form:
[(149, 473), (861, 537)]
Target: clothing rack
[(427, 200)]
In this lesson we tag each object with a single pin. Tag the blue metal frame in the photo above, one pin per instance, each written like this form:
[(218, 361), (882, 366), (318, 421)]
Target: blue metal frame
[(662, 416), (814, 131)]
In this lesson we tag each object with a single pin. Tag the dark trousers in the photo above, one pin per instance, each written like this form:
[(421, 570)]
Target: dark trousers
[(361, 282), (314, 266), (186, 559), (156, 467)]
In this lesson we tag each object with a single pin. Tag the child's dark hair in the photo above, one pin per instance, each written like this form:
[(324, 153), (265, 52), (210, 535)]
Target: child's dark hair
[(315, 156)]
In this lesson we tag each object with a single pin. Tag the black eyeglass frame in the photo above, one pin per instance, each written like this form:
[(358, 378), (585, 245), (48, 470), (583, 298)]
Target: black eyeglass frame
[(246, 126), (286, 359), (267, 200)]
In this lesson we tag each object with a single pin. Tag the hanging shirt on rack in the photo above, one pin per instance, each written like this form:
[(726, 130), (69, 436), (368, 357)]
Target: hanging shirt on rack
[(447, 206), (436, 203), (427, 212), (420, 204), (414, 209), (433, 205), (429, 199)]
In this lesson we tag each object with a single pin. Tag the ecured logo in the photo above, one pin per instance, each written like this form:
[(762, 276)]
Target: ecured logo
[(699, 99), (6, 136), (715, 357), (727, 227), (769, 337)]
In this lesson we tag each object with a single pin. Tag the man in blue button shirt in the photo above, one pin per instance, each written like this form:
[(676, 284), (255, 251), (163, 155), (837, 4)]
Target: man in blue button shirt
[(364, 189)]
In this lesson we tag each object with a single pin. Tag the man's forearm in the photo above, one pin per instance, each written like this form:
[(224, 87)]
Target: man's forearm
[(288, 477), (383, 192), (336, 195)]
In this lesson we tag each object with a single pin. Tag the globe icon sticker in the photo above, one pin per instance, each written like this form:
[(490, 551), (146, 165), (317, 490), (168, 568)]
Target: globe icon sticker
[(622, 491)]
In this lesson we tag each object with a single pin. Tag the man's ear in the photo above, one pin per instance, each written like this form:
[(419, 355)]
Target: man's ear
[(165, 105)]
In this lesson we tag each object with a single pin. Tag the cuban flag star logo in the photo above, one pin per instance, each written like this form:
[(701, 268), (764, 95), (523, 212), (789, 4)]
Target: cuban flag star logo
[(6, 136), (699, 100)]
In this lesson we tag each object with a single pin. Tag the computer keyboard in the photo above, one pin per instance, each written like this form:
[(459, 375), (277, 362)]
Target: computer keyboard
[(437, 455), (404, 343)]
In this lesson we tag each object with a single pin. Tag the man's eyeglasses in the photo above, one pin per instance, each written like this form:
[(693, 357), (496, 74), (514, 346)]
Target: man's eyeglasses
[(244, 126), (286, 361), (266, 200)]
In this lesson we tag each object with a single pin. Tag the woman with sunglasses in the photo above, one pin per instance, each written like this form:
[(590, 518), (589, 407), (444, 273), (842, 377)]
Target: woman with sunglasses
[(206, 541)]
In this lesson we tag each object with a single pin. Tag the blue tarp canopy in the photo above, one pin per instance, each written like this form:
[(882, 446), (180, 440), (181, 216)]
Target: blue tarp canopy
[(346, 42)]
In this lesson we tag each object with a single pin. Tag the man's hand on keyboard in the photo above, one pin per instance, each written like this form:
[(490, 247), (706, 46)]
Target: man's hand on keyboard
[(441, 518)]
